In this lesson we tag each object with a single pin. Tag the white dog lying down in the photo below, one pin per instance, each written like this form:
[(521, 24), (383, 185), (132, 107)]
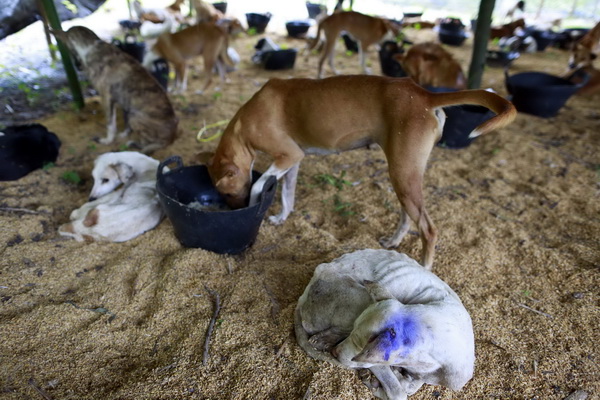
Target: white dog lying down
[(123, 202), (381, 310)]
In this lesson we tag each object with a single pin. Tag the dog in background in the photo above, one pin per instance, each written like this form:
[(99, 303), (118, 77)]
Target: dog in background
[(122, 82), (506, 29), (366, 30), (123, 202), (206, 12), (208, 39), (287, 118), (429, 64), (586, 49)]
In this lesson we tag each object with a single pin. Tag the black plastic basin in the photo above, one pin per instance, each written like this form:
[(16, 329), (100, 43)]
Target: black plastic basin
[(219, 231)]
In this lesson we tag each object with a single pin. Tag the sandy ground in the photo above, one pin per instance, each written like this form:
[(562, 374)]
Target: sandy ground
[(518, 213)]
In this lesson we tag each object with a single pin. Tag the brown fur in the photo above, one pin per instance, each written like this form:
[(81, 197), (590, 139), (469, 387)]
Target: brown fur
[(586, 49), (506, 29), (366, 30), (122, 81), (206, 12), (209, 40), (288, 117), (429, 64)]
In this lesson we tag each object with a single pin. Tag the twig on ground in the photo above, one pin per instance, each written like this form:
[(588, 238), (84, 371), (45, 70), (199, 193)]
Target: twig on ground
[(229, 267), (534, 310), (274, 303), (211, 325), (18, 209), (38, 389)]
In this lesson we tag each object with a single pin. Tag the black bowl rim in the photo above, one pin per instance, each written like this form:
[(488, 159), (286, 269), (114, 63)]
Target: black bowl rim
[(161, 192)]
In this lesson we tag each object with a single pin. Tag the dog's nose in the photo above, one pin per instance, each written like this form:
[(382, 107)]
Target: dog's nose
[(92, 198), (572, 65)]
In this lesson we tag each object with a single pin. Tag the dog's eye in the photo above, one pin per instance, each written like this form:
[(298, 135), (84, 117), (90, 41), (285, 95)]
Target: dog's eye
[(104, 180)]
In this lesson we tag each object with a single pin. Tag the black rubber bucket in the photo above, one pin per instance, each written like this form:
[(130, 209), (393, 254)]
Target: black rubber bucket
[(350, 43), (25, 148), (160, 71), (452, 25), (258, 21), (500, 59), (279, 59), (224, 232), (131, 46), (389, 66), (460, 121), (314, 9), (297, 29), (452, 38), (538, 93), (543, 39), (221, 6)]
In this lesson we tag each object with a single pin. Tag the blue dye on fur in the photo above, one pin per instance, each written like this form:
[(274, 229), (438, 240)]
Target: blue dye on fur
[(400, 333)]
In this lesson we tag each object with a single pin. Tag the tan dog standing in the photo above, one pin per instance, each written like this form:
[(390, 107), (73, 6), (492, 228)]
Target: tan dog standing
[(209, 40), (122, 81), (364, 29), (429, 64), (287, 118)]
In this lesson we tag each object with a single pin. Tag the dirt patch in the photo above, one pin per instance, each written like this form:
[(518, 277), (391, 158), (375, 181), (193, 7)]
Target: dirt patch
[(518, 214)]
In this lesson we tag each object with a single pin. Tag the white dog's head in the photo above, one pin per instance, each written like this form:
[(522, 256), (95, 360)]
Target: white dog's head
[(113, 170)]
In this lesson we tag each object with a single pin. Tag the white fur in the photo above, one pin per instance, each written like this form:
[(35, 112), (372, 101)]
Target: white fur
[(123, 200), (355, 304)]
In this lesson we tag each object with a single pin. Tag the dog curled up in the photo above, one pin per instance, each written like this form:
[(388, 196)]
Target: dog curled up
[(122, 82), (123, 202), (289, 118), (381, 310)]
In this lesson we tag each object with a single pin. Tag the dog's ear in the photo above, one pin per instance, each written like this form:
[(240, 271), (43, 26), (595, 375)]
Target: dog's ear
[(124, 171), (229, 171), (377, 292), (205, 157), (394, 341)]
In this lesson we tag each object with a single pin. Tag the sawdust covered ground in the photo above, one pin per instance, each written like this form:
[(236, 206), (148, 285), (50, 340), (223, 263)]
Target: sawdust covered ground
[(518, 213)]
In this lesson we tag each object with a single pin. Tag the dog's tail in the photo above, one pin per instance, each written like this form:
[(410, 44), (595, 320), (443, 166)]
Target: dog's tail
[(504, 109)]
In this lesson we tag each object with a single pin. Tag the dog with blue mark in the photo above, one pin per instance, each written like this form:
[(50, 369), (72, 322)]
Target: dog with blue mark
[(381, 310)]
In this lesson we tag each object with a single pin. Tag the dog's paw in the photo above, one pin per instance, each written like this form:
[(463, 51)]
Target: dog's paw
[(388, 242), (368, 71), (276, 219), (105, 141), (199, 92)]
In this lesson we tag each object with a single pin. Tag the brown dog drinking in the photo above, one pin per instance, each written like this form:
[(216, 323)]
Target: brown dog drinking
[(288, 118)]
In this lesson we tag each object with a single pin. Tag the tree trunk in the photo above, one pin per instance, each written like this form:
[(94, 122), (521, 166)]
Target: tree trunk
[(482, 36)]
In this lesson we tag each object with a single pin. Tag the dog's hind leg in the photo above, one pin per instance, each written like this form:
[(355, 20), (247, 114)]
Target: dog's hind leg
[(288, 195), (110, 109)]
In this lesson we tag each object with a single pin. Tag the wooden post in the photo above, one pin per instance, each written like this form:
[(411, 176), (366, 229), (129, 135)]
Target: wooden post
[(54, 22), (482, 36)]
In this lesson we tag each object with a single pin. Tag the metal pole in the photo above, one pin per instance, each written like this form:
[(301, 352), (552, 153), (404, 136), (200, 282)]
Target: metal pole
[(54, 22), (482, 36)]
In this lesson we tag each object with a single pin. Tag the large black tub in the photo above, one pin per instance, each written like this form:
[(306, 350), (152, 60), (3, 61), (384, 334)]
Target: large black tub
[(460, 121), (540, 94), (258, 21), (213, 227)]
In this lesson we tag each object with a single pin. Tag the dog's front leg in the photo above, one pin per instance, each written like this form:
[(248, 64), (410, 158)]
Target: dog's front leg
[(110, 108), (288, 195), (361, 54), (390, 384), (257, 189)]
